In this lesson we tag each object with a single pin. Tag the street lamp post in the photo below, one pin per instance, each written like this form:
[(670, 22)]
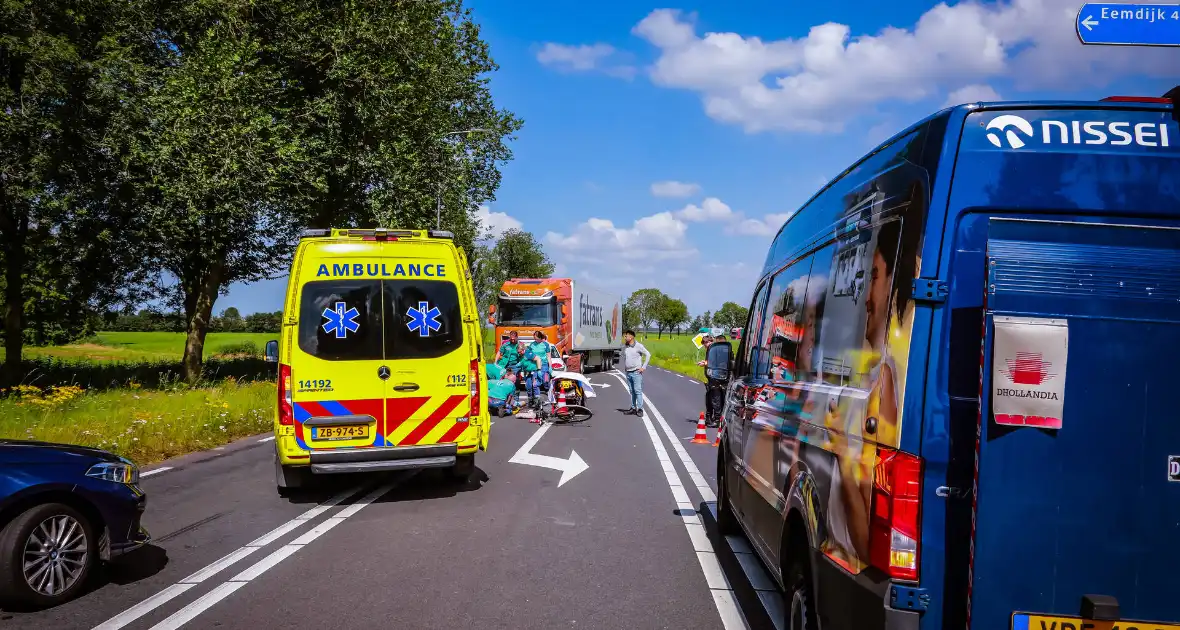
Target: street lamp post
[(438, 195)]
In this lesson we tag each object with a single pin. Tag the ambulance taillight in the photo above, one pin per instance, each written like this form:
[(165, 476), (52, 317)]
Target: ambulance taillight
[(286, 404), (476, 394)]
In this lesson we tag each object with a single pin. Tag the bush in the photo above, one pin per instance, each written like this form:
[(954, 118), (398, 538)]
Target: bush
[(49, 372), (241, 348)]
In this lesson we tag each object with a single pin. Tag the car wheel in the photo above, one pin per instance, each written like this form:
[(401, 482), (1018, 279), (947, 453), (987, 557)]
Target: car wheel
[(800, 602), (46, 554), (464, 466), (726, 520)]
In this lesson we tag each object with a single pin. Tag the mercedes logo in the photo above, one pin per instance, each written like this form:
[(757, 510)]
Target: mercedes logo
[(383, 372)]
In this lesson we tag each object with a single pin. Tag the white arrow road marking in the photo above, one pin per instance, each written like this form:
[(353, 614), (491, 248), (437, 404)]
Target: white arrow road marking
[(1089, 23), (569, 468)]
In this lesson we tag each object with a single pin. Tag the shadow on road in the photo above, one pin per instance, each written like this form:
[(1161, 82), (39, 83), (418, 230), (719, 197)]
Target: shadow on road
[(761, 602), (431, 483), (137, 565)]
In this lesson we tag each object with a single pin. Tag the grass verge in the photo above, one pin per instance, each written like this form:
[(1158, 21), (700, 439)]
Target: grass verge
[(146, 426), (150, 346), (675, 353)]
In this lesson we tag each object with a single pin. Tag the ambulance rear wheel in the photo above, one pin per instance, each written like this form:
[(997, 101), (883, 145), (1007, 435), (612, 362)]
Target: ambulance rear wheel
[(464, 466)]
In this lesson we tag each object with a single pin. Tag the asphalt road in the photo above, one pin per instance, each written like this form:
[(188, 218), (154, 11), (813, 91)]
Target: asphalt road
[(626, 543)]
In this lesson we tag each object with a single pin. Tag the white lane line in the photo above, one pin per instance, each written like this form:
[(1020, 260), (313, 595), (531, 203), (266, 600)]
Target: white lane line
[(144, 607), (723, 595), (694, 473), (154, 471), (163, 597), (227, 588), (267, 439)]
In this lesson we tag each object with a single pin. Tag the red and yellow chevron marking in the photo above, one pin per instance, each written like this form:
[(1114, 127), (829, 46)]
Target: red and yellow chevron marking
[(406, 426)]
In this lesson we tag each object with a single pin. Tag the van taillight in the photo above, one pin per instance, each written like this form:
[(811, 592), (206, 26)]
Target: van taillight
[(286, 405), (476, 394), (895, 525)]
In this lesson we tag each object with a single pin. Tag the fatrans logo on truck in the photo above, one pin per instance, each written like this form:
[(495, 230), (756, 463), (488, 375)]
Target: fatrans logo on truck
[(1015, 132)]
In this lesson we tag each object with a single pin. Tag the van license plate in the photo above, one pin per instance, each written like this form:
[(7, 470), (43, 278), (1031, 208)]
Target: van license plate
[(1024, 621), (345, 432)]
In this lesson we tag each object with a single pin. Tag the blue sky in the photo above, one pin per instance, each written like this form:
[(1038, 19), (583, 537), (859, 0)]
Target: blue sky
[(664, 145)]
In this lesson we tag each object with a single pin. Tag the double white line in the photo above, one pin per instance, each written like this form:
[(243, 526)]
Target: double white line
[(225, 589), (723, 595)]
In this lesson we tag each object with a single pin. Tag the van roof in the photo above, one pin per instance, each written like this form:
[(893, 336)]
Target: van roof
[(376, 234), (1116, 103)]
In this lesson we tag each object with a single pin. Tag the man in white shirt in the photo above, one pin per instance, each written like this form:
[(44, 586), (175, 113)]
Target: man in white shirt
[(635, 361)]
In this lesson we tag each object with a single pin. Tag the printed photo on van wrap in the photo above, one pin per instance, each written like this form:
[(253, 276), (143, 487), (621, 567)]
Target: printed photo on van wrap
[(832, 353)]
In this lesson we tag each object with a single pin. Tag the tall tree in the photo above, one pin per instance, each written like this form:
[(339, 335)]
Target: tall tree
[(70, 74), (646, 303), (670, 314), (516, 254), (225, 164), (391, 91), (730, 315)]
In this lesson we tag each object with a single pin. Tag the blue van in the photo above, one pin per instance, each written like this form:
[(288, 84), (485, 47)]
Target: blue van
[(952, 404)]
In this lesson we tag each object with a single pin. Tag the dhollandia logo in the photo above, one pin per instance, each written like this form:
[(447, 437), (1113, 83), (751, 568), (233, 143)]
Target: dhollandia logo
[(1031, 370), (1012, 131)]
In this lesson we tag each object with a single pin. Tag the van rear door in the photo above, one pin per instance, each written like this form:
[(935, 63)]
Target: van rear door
[(338, 395), (1075, 214), (426, 349)]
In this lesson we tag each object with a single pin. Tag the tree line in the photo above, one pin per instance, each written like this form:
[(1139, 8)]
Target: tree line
[(230, 320), (648, 309), (168, 149)]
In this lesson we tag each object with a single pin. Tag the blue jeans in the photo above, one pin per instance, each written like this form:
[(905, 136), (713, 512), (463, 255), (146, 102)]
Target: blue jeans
[(533, 385), (635, 383)]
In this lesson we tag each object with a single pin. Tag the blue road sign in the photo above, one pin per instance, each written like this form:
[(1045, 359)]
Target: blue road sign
[(1110, 24)]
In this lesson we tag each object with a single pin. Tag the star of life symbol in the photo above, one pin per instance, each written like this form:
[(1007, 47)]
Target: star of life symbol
[(340, 321), (424, 319)]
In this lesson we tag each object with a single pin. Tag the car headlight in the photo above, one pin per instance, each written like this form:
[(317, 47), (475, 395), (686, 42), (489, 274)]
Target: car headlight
[(115, 472)]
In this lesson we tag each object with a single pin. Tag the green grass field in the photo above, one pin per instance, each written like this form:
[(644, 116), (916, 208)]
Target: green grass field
[(146, 346), (675, 353)]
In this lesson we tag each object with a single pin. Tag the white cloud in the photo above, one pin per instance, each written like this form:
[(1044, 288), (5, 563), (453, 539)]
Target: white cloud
[(766, 226), (819, 82), (654, 238), (972, 94), (674, 189), (585, 58), (711, 209), (496, 223)]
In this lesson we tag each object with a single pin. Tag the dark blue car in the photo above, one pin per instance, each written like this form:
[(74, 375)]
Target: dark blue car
[(62, 509)]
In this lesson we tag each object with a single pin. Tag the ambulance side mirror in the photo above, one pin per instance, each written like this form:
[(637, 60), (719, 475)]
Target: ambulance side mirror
[(272, 351)]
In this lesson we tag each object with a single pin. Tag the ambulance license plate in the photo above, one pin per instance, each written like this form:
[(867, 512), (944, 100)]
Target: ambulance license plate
[(343, 432), (1027, 621)]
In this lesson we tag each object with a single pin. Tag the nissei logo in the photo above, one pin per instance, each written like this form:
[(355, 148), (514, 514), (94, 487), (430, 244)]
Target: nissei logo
[(1002, 123), (1013, 130)]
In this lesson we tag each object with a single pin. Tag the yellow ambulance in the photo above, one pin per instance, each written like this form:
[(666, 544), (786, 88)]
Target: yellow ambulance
[(380, 362)]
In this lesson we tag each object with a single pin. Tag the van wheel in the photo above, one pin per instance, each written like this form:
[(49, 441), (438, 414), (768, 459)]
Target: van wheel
[(46, 554), (289, 480), (800, 604), (726, 520), (464, 466)]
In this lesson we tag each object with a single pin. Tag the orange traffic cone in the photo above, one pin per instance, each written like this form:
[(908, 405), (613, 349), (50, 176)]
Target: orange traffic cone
[(717, 442), (702, 435)]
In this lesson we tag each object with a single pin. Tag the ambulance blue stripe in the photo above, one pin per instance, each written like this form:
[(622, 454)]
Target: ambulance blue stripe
[(301, 414), (334, 408)]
